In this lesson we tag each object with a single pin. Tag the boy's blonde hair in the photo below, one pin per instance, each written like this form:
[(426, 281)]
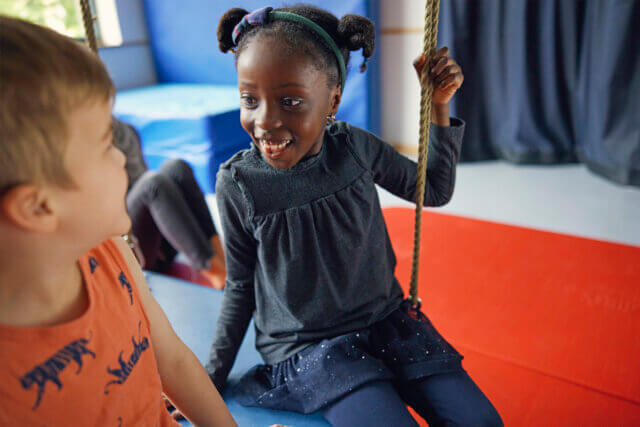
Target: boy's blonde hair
[(44, 76)]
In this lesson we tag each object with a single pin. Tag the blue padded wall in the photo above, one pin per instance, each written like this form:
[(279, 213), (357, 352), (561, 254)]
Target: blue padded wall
[(199, 123), (185, 49)]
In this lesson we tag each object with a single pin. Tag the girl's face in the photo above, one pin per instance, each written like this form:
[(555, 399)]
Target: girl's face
[(284, 102)]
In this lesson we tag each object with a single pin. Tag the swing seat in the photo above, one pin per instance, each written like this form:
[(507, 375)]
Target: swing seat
[(192, 310)]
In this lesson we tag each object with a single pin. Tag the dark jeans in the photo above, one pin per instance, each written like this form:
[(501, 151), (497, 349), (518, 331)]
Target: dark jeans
[(169, 215), (450, 399)]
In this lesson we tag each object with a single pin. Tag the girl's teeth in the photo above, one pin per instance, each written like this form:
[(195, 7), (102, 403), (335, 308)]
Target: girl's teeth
[(275, 145)]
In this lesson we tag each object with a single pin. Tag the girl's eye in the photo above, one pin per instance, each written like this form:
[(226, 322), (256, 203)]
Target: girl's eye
[(247, 101), (291, 102)]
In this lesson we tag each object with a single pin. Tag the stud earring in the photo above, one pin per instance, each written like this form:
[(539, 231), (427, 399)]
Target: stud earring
[(331, 118)]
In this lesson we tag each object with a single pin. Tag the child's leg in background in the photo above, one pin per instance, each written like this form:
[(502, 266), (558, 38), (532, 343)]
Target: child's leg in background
[(182, 174), (374, 404), (158, 207), (449, 399)]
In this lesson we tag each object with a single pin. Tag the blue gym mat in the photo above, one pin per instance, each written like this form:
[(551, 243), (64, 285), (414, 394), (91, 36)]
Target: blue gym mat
[(193, 310), (199, 123)]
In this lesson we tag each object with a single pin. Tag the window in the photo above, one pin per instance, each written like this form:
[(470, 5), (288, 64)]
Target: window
[(65, 16), (61, 15)]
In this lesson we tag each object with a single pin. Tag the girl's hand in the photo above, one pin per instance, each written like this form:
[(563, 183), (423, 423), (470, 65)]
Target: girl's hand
[(444, 72)]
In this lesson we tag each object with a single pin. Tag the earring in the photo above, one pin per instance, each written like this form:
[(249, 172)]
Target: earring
[(331, 118)]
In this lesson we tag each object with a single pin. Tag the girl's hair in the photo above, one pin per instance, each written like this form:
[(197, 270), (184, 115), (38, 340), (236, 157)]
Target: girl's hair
[(352, 32)]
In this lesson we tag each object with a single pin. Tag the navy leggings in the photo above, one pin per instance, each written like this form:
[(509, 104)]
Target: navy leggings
[(450, 399), (169, 214)]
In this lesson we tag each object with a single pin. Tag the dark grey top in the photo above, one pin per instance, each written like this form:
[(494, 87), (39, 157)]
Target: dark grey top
[(307, 250)]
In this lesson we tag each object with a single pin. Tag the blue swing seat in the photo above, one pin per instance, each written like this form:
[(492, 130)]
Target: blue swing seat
[(192, 310)]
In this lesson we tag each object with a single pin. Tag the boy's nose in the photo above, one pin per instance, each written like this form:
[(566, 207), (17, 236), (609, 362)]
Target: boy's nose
[(121, 158)]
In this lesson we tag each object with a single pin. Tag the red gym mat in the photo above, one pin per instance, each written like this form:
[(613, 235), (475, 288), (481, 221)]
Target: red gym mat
[(549, 324)]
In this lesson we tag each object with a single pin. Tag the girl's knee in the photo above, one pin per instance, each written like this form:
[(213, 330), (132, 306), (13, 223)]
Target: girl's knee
[(454, 399), (373, 404), (481, 415)]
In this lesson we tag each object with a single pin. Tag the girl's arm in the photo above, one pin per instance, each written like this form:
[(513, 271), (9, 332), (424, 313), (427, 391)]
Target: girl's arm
[(398, 174), (238, 303), (447, 77), (183, 378)]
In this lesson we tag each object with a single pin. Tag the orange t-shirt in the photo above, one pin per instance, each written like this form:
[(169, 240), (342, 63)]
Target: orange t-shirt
[(98, 369)]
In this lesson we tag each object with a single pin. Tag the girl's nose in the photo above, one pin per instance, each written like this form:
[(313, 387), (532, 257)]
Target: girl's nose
[(267, 117)]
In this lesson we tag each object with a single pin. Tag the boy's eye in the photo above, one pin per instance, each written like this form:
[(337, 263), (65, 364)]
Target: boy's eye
[(291, 102), (247, 101)]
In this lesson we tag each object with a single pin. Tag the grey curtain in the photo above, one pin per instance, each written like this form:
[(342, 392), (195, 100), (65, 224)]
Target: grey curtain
[(549, 81)]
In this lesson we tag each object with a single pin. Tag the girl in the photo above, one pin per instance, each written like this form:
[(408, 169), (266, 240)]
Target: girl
[(307, 250)]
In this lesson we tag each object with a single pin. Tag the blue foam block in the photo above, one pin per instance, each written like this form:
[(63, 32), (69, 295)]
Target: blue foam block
[(199, 123), (193, 310)]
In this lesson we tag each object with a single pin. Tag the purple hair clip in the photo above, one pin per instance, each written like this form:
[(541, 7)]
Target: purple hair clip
[(257, 17)]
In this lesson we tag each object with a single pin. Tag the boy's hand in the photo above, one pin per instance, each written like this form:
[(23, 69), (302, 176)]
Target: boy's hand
[(444, 72)]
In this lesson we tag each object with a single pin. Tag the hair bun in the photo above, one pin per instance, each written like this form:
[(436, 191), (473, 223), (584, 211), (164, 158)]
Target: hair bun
[(227, 23), (357, 32)]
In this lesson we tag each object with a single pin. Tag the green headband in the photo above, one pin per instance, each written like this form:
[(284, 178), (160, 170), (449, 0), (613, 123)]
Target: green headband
[(258, 18)]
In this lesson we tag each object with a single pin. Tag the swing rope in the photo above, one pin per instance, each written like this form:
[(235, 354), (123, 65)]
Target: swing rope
[(432, 9), (87, 20), (90, 37)]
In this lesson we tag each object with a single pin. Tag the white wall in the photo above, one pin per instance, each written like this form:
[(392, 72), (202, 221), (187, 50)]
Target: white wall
[(401, 28)]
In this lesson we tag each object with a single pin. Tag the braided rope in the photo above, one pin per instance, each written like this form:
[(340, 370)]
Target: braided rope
[(87, 20), (432, 9)]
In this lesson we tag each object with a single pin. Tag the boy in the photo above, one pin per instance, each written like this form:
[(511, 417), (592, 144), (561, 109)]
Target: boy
[(82, 341)]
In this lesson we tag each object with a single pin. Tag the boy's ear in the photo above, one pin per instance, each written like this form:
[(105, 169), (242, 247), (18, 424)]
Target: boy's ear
[(28, 207)]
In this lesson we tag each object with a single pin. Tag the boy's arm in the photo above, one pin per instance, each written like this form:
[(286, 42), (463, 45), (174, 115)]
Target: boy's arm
[(184, 380)]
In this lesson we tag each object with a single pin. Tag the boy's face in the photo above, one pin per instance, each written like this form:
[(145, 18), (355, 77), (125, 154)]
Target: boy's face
[(95, 210), (284, 102)]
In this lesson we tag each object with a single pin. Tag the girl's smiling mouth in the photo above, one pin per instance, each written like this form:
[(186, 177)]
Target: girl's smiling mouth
[(274, 148)]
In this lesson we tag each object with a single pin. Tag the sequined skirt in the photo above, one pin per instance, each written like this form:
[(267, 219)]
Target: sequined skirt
[(399, 348)]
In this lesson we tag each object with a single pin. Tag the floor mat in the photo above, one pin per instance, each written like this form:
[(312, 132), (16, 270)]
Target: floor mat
[(548, 323)]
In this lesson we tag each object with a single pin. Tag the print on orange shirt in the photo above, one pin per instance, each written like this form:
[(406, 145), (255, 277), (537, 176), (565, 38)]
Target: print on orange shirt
[(51, 369), (126, 367)]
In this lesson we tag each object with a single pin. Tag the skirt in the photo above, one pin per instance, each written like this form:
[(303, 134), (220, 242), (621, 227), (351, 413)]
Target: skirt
[(399, 348)]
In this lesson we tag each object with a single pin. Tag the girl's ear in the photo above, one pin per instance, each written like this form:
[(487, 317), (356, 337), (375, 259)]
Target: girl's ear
[(28, 207), (334, 101)]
